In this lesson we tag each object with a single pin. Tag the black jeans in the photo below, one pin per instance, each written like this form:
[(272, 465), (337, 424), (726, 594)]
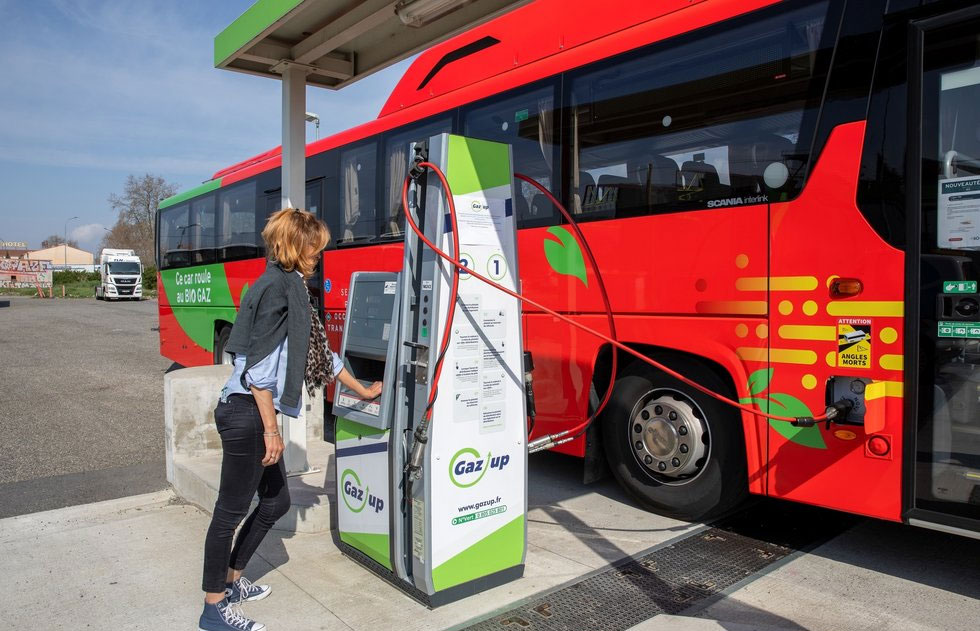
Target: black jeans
[(242, 474)]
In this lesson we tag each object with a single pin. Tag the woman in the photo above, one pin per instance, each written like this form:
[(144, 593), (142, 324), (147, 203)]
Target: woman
[(278, 342)]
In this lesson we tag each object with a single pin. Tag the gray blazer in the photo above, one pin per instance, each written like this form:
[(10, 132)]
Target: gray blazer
[(276, 307)]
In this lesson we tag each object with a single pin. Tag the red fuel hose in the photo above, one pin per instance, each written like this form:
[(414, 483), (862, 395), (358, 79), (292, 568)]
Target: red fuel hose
[(576, 431), (619, 345)]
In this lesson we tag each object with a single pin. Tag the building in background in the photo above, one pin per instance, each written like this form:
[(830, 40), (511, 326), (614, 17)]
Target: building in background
[(13, 249), (65, 257)]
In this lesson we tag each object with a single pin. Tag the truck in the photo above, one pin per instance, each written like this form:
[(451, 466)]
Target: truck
[(121, 275)]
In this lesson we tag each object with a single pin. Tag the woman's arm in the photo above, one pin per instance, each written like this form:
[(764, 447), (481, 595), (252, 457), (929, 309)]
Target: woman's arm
[(273, 441), (371, 392)]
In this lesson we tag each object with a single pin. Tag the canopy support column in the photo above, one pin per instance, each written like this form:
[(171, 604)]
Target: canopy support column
[(293, 136), (294, 196)]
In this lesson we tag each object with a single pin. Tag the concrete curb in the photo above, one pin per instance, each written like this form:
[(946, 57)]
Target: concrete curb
[(196, 481), (28, 526)]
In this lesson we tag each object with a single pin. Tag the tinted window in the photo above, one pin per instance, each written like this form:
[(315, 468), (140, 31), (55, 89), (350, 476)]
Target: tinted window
[(527, 122), (187, 233), (398, 152), (717, 119), (201, 229), (358, 188), (172, 247), (240, 235)]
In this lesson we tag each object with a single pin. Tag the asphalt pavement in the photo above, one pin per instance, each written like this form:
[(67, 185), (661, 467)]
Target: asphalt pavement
[(81, 405)]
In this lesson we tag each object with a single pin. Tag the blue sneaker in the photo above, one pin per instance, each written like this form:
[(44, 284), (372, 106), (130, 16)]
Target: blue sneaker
[(225, 616), (244, 591)]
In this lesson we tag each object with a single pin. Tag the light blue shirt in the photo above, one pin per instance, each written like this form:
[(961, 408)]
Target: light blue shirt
[(268, 374)]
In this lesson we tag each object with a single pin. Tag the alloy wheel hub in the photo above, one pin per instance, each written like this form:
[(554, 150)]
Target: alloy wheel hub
[(668, 437)]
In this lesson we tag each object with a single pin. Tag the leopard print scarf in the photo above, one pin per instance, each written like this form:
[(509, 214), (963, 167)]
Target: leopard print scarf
[(319, 359)]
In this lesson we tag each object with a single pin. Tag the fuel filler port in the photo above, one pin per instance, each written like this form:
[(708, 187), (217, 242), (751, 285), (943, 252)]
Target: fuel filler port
[(843, 389)]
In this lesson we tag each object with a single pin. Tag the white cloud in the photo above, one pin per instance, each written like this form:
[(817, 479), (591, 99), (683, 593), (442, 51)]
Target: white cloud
[(88, 232)]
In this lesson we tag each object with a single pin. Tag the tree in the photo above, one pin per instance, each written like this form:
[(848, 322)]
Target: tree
[(137, 208), (56, 239)]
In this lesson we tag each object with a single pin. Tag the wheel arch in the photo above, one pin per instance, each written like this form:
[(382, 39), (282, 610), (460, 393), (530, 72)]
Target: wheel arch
[(722, 362)]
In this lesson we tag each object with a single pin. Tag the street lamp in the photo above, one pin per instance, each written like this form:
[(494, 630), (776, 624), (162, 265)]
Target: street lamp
[(313, 118), (66, 240)]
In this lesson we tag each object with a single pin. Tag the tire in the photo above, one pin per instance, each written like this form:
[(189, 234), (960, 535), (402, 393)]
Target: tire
[(220, 342), (98, 296), (709, 478)]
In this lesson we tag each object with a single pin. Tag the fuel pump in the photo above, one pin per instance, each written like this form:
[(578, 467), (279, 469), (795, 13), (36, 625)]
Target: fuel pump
[(432, 477)]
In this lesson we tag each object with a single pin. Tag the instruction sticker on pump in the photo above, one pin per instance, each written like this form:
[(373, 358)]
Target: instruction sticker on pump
[(477, 213), (854, 343)]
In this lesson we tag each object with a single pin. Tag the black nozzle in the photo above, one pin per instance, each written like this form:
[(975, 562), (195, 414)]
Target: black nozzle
[(421, 155)]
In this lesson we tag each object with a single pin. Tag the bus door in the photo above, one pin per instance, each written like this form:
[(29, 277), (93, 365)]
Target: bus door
[(944, 298)]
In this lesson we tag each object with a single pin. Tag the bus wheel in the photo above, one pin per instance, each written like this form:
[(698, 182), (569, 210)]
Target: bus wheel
[(679, 452), (220, 356)]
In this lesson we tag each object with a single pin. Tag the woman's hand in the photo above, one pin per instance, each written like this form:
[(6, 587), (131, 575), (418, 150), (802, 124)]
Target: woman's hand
[(371, 392), (273, 450), (270, 427)]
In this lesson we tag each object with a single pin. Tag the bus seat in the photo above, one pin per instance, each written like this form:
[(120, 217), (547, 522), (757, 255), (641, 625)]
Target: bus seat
[(616, 193), (657, 175), (540, 206), (585, 180), (749, 160), (700, 178)]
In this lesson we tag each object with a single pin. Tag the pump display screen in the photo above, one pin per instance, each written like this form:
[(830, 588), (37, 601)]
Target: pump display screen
[(369, 322)]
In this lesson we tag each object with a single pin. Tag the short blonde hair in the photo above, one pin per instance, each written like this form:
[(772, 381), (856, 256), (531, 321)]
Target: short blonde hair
[(290, 234)]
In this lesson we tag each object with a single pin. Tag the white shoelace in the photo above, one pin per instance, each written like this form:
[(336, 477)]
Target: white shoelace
[(233, 615), (244, 585)]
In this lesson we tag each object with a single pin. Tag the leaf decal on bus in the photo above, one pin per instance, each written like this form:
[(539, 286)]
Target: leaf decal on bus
[(782, 404), (565, 256), (759, 380), (787, 405)]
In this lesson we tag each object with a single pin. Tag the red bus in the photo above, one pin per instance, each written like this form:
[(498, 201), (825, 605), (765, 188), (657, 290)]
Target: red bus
[(768, 189)]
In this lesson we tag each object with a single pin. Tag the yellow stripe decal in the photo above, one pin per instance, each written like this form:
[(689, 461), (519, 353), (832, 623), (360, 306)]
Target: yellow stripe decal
[(776, 283), (881, 389), (808, 332), (884, 308), (753, 354), (740, 307), (777, 355), (891, 362)]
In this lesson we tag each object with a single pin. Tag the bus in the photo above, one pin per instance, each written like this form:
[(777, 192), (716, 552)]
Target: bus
[(759, 181)]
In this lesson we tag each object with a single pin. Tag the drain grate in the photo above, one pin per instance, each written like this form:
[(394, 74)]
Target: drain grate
[(677, 576)]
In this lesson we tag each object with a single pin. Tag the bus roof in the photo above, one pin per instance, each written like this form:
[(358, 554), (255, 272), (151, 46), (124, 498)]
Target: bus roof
[(537, 40)]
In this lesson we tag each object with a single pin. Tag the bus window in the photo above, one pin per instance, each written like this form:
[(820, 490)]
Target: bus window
[(527, 122), (720, 120), (239, 238), (358, 188), (398, 151), (201, 231), (174, 251)]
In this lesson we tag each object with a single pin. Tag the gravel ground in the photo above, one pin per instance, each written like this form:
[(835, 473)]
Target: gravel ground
[(82, 393)]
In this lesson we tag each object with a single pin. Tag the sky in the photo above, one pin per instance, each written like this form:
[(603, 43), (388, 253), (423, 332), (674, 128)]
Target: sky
[(94, 90)]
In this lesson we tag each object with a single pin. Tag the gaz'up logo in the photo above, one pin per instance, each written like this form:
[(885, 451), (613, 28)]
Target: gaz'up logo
[(356, 496), (468, 467)]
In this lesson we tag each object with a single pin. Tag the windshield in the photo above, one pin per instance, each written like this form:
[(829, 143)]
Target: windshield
[(124, 267)]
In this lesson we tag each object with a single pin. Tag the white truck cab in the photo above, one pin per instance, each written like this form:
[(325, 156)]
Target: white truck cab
[(121, 275)]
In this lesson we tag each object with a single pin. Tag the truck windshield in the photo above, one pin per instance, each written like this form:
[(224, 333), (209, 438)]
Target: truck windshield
[(124, 267)]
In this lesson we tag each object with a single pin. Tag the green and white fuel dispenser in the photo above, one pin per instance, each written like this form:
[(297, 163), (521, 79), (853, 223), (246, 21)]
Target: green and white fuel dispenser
[(460, 527)]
